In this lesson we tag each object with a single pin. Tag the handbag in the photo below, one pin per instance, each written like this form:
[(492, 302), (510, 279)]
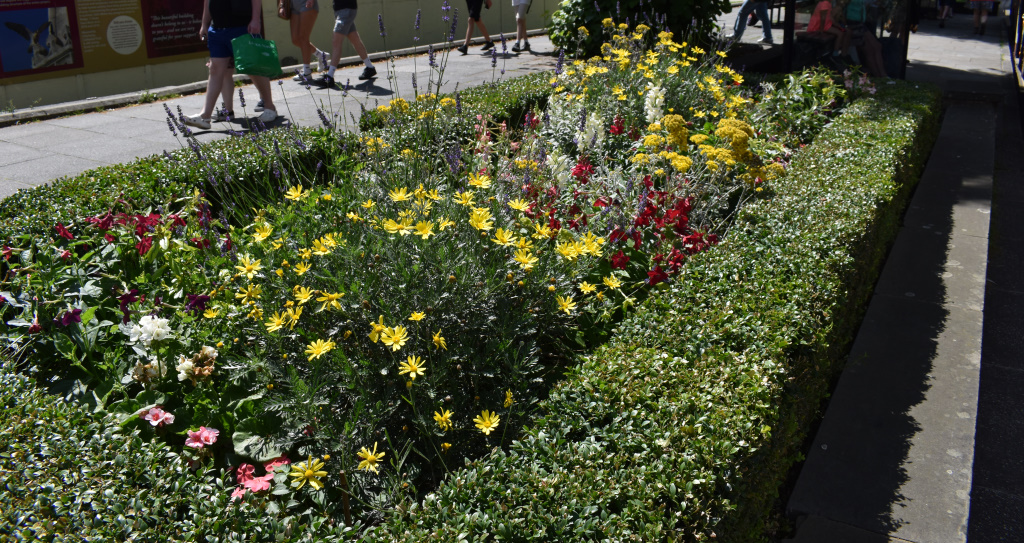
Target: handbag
[(284, 9), (256, 56)]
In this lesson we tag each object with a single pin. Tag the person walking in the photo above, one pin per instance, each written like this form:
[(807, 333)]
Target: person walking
[(981, 10), (304, 13), (223, 21), (945, 11), (521, 7), (345, 27), (760, 7), (474, 19)]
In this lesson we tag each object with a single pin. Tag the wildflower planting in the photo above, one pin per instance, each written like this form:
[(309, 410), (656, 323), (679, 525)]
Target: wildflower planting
[(325, 346)]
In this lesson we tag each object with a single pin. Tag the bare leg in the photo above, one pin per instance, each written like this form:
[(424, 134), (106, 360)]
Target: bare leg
[(263, 87), (521, 29), (469, 33), (337, 40), (357, 44), (215, 84), (227, 95), (483, 30), (873, 60), (306, 20)]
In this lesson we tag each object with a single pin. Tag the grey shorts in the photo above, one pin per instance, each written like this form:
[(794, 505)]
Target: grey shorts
[(299, 6), (344, 21)]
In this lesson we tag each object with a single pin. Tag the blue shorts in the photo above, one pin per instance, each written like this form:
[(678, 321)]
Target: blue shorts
[(299, 6), (219, 40), (344, 21)]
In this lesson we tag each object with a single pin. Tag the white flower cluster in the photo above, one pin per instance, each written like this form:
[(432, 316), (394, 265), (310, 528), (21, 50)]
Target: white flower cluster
[(654, 103), (561, 166), (593, 132), (148, 330)]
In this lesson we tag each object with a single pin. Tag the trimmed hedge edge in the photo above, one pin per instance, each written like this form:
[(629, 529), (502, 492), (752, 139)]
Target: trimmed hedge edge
[(685, 425)]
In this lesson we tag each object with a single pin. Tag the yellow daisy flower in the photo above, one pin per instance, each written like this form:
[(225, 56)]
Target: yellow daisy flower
[(295, 193), (566, 304), (443, 419), (276, 322), (318, 348), (519, 205), (612, 282), (370, 459), (394, 337), (301, 268), (487, 422), (587, 288), (399, 195), (302, 294), (417, 316), (439, 342), (262, 232), (378, 329), (414, 366), (248, 268), (310, 472)]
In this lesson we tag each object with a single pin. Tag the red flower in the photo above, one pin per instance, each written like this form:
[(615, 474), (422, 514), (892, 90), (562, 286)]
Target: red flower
[(104, 223), (64, 232), (7, 252), (109, 238), (175, 220), (656, 275), (144, 245), (619, 261), (70, 317), (35, 328), (200, 243), (65, 255), (583, 170), (617, 126)]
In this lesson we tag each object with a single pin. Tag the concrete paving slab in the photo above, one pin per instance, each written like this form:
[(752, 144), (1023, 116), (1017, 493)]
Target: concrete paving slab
[(8, 187), (893, 453), (48, 167), (935, 266), (12, 153), (820, 530)]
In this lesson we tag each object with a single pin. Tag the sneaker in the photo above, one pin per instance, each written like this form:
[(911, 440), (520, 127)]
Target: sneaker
[(368, 73), (730, 36), (222, 115), (197, 121), (300, 77), (516, 48), (267, 115), (487, 46), (526, 46), (464, 49), (325, 82), (766, 41), (259, 106)]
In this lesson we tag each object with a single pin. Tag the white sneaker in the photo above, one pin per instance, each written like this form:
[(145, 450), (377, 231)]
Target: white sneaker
[(198, 122), (259, 106), (267, 115)]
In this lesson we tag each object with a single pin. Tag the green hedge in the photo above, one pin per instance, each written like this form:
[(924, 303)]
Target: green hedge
[(684, 426), (155, 180), (65, 476)]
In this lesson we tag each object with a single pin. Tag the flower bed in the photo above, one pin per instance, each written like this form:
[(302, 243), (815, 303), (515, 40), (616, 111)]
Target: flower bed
[(380, 331), (686, 423)]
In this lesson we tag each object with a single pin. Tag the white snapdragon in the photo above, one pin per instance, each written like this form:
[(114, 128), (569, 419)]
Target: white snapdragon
[(592, 133), (561, 167), (654, 103)]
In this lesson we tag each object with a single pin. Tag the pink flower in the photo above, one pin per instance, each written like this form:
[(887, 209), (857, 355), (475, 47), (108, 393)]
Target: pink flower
[(244, 473), (238, 493), (158, 417), (197, 439), (257, 484), (273, 464)]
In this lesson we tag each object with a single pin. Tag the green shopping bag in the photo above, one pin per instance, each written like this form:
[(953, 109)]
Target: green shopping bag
[(255, 56)]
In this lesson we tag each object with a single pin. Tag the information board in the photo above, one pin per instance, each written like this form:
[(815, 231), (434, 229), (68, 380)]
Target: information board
[(53, 38)]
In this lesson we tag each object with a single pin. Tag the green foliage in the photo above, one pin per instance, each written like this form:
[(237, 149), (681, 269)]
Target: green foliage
[(685, 424), (239, 169), (694, 20), (69, 476), (505, 101)]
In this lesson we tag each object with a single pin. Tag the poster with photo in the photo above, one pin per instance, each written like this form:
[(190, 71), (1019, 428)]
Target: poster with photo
[(38, 37), (42, 39)]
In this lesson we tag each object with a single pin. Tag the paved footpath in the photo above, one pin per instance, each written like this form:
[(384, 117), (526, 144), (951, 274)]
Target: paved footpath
[(36, 152), (921, 436)]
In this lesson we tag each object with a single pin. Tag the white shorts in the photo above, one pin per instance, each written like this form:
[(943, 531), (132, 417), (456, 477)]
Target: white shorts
[(521, 8)]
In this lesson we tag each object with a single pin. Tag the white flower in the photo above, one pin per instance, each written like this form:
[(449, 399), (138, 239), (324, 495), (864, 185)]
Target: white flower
[(653, 104), (185, 367), (148, 330), (593, 132), (208, 352), (561, 166)]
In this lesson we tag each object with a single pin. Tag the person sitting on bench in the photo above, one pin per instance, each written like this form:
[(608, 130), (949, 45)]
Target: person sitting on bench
[(821, 22)]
